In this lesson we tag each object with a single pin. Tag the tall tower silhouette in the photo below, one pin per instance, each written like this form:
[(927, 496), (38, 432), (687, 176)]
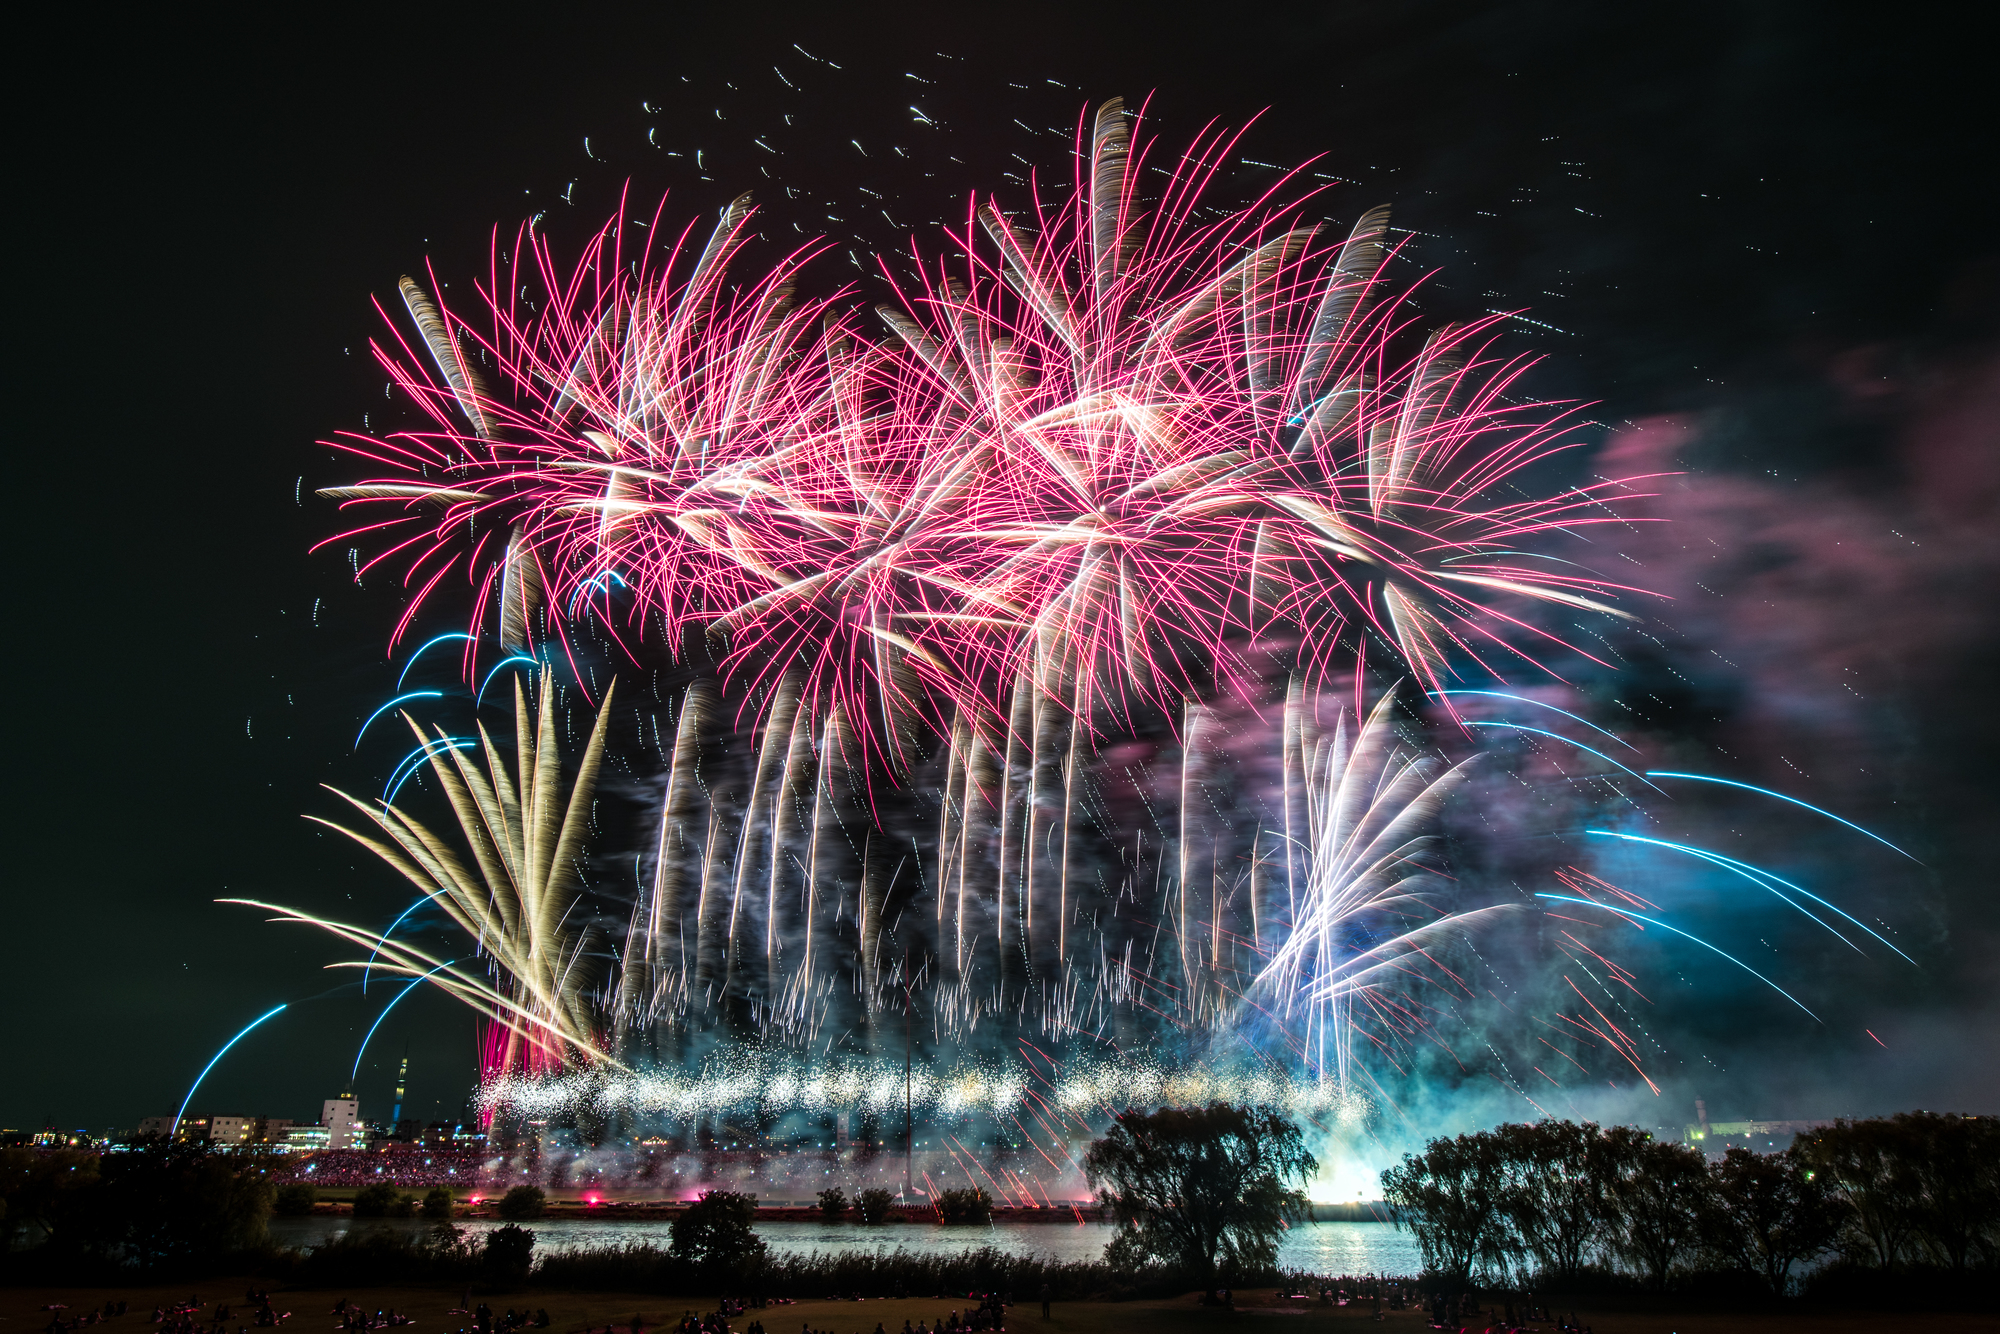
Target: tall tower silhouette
[(402, 1080)]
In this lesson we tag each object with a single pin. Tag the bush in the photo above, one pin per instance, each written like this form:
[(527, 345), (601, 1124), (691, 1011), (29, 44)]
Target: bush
[(376, 1201), (295, 1200), (971, 1205), (523, 1202), (833, 1204), (871, 1273), (437, 1203), (718, 1231), (509, 1251), (875, 1205), (377, 1255), (160, 1209)]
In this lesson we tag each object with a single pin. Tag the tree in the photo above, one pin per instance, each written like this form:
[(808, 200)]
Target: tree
[(523, 1202), (833, 1204), (437, 1202), (1554, 1191), (874, 1204), (1659, 1191), (1769, 1211), (1450, 1196), (377, 1201), (507, 1255), (971, 1205), (1955, 1164), (36, 1187), (166, 1205), (718, 1230), (1206, 1190), (1869, 1164), (295, 1200)]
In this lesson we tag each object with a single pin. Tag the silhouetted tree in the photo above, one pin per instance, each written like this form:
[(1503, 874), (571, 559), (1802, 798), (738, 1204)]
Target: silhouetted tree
[(523, 1202), (378, 1201), (718, 1230), (1207, 1190), (295, 1200), (1955, 1163), (507, 1255), (1769, 1212), (970, 1205), (1867, 1163), (166, 1206), (1659, 1192), (1450, 1196), (34, 1188), (1555, 1190)]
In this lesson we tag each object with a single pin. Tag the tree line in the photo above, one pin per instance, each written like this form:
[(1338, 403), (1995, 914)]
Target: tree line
[(1556, 1202)]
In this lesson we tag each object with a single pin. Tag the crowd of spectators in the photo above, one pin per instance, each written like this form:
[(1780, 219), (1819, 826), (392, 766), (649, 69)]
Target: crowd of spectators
[(394, 1165)]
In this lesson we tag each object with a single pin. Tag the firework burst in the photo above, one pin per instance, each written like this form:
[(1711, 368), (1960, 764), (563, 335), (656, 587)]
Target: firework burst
[(1132, 453), (1073, 542)]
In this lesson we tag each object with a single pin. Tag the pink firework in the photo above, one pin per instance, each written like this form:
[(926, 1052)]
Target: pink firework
[(1205, 448), (1108, 447)]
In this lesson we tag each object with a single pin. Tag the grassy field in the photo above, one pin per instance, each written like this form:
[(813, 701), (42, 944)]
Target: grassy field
[(21, 1310)]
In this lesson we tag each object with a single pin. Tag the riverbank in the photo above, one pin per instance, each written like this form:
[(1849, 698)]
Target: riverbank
[(602, 1206)]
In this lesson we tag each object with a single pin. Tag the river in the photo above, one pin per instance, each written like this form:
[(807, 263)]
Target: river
[(1323, 1248)]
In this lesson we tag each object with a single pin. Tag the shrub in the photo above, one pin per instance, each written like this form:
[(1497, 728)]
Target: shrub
[(377, 1255), (376, 1201), (875, 1204), (871, 1273), (509, 1251), (295, 1200), (161, 1208), (718, 1230), (833, 1204), (437, 1203), (523, 1202), (971, 1205)]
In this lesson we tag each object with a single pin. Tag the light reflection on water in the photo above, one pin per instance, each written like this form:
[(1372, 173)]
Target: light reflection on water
[(1322, 1248)]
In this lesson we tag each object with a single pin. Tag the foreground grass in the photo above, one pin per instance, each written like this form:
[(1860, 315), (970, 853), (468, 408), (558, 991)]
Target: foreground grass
[(1259, 1312)]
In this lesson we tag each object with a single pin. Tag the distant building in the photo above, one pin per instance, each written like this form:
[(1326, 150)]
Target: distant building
[(224, 1132), (182, 1130), (272, 1130), (342, 1119), (1763, 1136), (305, 1139), (230, 1131), (52, 1138)]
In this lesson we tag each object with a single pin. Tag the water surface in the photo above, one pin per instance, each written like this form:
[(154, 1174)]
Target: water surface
[(1324, 1248)]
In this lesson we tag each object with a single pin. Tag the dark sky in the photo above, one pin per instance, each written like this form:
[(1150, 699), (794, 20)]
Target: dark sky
[(1761, 231)]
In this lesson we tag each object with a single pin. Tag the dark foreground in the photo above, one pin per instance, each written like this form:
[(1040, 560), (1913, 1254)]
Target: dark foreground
[(22, 1310)]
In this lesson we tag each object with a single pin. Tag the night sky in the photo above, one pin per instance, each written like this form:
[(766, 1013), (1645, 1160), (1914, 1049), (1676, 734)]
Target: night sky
[(1758, 238)]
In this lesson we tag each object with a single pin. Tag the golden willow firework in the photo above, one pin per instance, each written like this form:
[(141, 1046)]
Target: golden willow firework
[(525, 841)]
